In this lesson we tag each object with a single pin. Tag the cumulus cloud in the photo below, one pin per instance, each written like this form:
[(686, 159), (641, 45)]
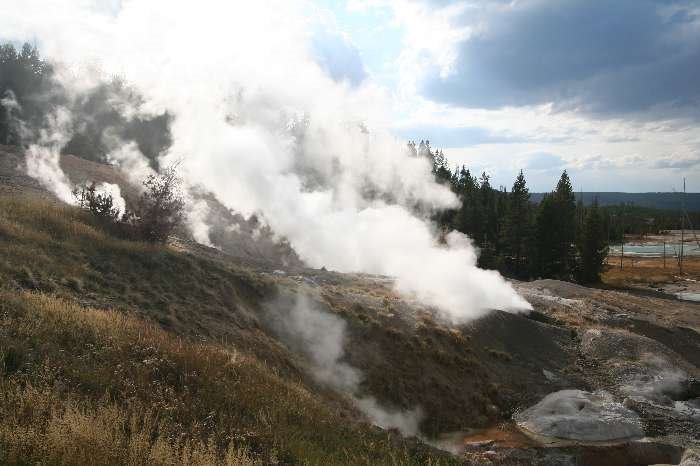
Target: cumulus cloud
[(677, 162), (455, 136), (543, 161), (602, 58), (337, 55), (602, 162)]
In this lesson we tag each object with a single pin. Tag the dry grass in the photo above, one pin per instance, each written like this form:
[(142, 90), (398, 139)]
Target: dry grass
[(45, 428), (83, 384), (649, 270), (80, 384)]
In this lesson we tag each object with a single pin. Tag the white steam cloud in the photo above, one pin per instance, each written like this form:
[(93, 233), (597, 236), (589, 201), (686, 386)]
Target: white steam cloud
[(10, 107), (259, 123), (113, 190), (44, 155), (321, 336)]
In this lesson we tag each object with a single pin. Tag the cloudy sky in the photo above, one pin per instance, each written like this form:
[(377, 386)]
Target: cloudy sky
[(608, 90)]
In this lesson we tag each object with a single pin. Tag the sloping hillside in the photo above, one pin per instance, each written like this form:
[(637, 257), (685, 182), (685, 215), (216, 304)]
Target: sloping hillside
[(175, 366), (245, 240), (149, 354)]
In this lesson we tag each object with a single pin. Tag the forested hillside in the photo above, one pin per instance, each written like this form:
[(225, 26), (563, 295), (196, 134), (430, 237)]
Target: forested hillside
[(28, 91), (550, 235), (557, 238), (657, 201)]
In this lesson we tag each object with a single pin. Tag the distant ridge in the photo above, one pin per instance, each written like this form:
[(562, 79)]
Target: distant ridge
[(650, 200)]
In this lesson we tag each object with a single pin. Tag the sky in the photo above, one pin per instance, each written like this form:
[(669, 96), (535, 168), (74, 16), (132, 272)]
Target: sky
[(609, 91)]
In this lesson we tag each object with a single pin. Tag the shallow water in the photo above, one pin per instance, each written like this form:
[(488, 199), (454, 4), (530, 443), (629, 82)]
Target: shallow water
[(655, 249)]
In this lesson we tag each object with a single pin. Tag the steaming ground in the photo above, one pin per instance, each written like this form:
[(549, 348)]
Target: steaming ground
[(374, 355), (321, 337), (304, 152)]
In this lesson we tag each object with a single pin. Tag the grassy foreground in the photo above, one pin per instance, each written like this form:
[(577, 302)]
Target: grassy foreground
[(112, 352)]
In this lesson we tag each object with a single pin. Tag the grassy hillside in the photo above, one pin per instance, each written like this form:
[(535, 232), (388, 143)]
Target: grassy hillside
[(127, 353)]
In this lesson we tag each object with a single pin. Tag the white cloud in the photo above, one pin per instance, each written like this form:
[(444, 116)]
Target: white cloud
[(539, 125)]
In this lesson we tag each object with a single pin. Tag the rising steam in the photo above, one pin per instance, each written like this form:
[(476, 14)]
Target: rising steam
[(261, 125), (43, 156), (320, 336)]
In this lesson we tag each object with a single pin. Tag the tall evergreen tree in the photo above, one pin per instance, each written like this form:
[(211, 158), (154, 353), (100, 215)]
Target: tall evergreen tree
[(468, 218), (441, 170), (487, 233), (23, 84), (556, 231), (517, 233), (592, 246), (566, 206), (547, 263)]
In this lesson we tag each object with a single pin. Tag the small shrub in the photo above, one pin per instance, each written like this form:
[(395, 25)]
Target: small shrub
[(159, 210), (101, 205)]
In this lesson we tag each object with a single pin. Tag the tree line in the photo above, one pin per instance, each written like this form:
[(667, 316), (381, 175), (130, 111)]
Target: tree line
[(631, 220), (29, 92), (557, 238)]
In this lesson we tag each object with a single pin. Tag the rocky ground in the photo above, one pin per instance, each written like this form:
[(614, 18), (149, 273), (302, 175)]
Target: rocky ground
[(638, 358), (590, 377)]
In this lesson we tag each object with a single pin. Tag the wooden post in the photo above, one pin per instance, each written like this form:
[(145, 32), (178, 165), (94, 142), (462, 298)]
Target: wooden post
[(664, 254), (622, 250), (680, 260)]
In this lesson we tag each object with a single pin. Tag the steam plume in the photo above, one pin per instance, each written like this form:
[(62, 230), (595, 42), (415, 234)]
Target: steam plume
[(43, 156), (259, 123), (321, 336)]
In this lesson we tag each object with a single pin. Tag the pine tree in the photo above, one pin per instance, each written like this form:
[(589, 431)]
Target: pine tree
[(546, 236), (566, 206), (556, 231), (517, 233), (592, 246), (441, 170), (468, 218)]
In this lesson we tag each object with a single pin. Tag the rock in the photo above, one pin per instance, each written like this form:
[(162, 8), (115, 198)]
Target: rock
[(581, 416), (691, 457), (480, 444)]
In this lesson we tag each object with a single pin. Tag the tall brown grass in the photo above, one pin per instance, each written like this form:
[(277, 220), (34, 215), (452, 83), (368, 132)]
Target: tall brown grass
[(51, 430), (122, 352), (87, 386)]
